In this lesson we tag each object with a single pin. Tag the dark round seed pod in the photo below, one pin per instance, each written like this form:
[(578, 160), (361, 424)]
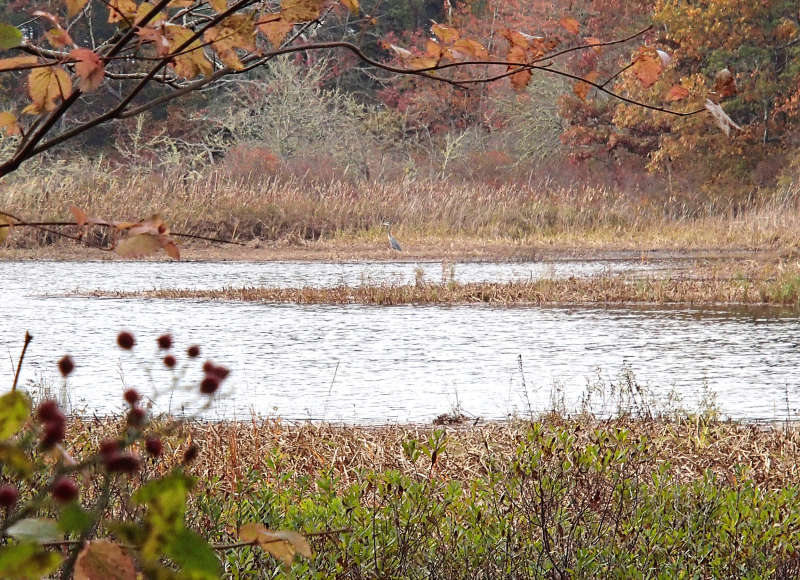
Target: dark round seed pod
[(131, 396), (8, 496), (48, 411), (169, 361), (54, 432), (153, 446), (125, 340), (209, 385), (208, 366), (221, 372), (123, 462), (190, 454), (193, 351), (66, 365), (65, 489), (164, 341)]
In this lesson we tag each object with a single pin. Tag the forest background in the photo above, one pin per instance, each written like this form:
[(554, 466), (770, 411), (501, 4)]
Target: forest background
[(318, 143)]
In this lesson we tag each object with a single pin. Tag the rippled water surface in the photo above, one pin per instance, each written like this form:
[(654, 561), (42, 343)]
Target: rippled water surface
[(368, 364)]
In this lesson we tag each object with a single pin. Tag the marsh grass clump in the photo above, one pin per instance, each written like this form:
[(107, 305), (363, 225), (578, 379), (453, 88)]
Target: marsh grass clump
[(777, 285)]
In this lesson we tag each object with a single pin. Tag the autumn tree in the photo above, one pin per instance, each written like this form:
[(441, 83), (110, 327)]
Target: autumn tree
[(153, 53), (743, 55)]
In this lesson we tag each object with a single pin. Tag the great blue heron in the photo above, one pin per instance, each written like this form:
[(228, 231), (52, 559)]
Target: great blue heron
[(393, 243)]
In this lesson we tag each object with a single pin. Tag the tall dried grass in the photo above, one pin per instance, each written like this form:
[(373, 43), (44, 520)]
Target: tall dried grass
[(230, 449), (283, 206)]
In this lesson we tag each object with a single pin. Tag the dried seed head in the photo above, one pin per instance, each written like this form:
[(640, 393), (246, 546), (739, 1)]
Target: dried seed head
[(154, 446), (48, 411), (136, 417), (209, 385), (125, 340), (208, 366), (193, 351), (221, 372), (66, 365), (165, 341), (65, 489), (8, 496), (123, 462), (169, 361), (190, 454), (131, 396), (108, 447), (54, 432)]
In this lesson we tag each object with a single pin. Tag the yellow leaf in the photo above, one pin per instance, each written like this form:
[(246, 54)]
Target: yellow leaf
[(422, 62), (121, 10), (104, 560), (154, 225), (9, 124), (171, 248), (398, 50), (218, 5), (433, 49), (471, 47), (58, 37), (7, 223), (75, 6), (724, 84), (445, 33), (647, 66), (80, 216), (47, 85), (676, 93), (275, 30), (300, 10), (282, 544), (191, 61), (570, 25), (521, 79), (16, 62), (146, 8), (236, 31), (581, 89), (157, 37), (138, 246), (594, 40), (351, 5), (89, 68), (516, 38)]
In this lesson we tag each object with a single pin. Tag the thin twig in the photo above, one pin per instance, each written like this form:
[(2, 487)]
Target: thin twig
[(28, 339)]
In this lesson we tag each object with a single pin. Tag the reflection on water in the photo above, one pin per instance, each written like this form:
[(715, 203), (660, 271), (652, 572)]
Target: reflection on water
[(402, 363)]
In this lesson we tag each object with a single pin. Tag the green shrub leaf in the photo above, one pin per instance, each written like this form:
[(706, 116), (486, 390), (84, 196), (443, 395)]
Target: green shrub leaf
[(74, 519), (27, 561), (10, 36), (15, 407), (193, 554), (14, 457)]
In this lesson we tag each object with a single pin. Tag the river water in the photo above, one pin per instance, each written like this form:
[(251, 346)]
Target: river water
[(371, 364)]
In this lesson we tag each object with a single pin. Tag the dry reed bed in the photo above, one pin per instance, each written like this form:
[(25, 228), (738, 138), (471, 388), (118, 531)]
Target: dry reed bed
[(594, 290), (288, 208), (229, 449)]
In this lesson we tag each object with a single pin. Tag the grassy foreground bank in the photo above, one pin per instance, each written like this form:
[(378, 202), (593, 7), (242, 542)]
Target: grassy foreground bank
[(553, 498)]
